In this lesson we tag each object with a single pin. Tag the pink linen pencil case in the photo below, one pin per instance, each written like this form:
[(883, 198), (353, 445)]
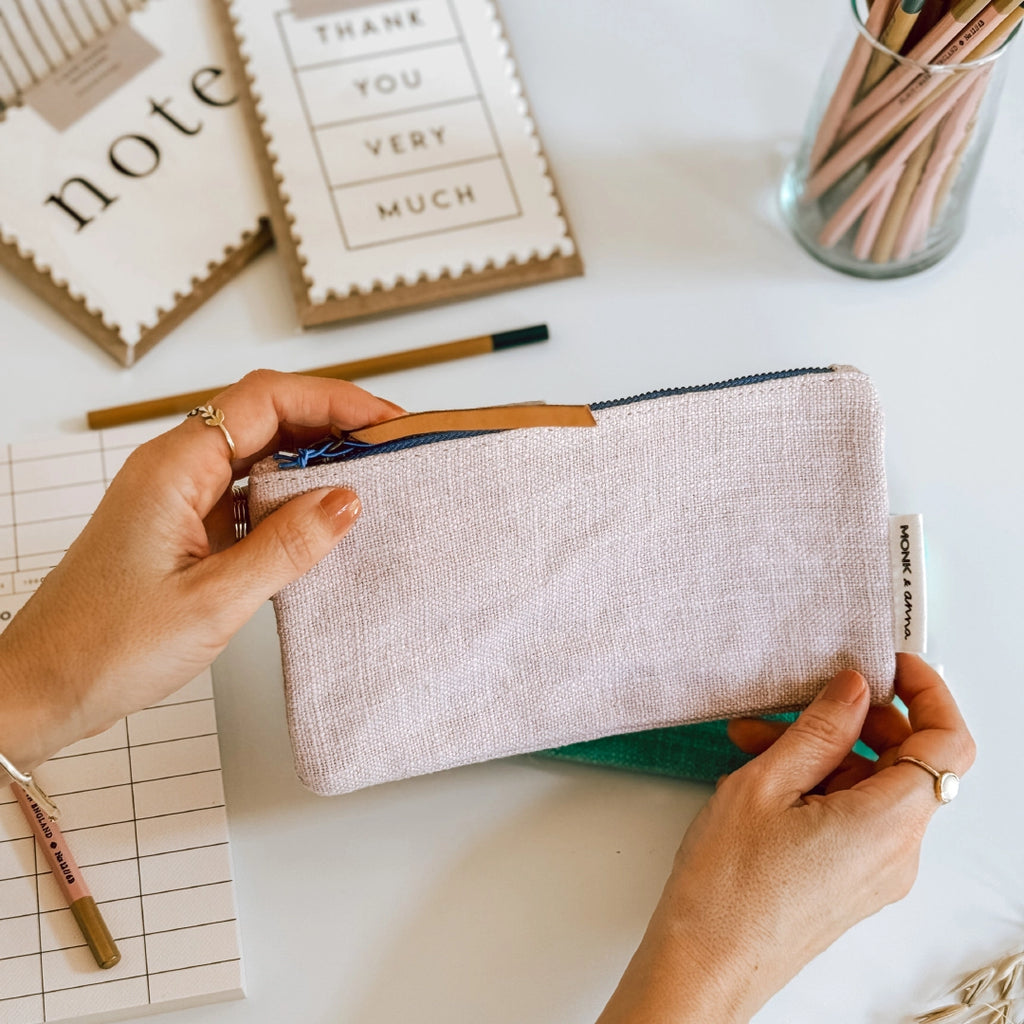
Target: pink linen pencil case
[(698, 554)]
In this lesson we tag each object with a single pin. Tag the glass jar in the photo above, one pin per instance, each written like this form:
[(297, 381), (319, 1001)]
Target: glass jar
[(883, 178)]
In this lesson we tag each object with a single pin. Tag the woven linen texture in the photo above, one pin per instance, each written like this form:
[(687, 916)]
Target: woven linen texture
[(692, 558)]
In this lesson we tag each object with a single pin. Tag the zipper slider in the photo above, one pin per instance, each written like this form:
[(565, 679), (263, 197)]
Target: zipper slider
[(333, 448), (439, 425)]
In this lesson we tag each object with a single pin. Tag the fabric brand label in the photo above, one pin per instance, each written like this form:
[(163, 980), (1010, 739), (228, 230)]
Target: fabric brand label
[(906, 555), (91, 76)]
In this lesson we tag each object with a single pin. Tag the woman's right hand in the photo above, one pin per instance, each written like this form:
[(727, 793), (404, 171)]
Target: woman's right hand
[(793, 849), (151, 592)]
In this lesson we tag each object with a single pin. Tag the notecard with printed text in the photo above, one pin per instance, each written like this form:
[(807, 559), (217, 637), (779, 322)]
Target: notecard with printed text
[(128, 192), (402, 161)]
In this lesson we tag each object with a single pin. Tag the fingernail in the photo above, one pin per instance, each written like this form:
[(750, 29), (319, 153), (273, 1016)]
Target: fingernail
[(341, 504), (845, 687)]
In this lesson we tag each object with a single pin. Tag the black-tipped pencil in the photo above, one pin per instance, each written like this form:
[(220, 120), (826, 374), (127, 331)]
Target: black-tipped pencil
[(392, 362)]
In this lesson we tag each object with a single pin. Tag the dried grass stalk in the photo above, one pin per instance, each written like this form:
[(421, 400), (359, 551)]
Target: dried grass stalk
[(991, 995)]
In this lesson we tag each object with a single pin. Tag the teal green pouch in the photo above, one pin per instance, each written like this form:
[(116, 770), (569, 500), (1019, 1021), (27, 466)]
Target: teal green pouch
[(701, 752)]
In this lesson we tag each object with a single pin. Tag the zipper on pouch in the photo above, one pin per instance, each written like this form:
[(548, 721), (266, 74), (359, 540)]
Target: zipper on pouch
[(346, 447)]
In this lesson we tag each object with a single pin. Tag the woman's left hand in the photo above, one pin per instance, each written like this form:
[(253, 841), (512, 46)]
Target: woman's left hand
[(150, 593), (794, 848)]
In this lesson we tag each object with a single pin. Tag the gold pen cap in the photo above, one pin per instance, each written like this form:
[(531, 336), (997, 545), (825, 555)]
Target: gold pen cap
[(96, 933)]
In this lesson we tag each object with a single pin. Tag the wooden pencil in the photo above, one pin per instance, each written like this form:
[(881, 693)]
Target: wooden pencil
[(929, 17), (872, 220), (891, 163), (893, 36), (99, 419), (945, 38), (881, 252), (846, 91), (994, 41), (922, 92), (914, 230), (932, 169)]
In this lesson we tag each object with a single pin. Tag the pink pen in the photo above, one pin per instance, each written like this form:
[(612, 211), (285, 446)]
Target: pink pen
[(70, 880)]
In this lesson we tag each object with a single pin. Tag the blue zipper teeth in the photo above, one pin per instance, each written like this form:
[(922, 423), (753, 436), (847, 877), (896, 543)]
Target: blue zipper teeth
[(343, 449)]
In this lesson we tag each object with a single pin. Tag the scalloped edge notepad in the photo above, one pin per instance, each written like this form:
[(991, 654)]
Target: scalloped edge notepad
[(401, 162), (125, 209)]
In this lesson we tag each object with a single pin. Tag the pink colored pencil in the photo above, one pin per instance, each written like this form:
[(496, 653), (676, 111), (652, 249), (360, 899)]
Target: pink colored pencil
[(851, 152), (949, 29), (890, 164), (914, 167), (878, 129), (994, 41), (846, 91), (873, 218), (920, 238), (917, 221), (953, 50)]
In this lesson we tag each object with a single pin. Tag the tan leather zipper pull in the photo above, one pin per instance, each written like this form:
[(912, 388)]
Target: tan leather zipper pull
[(498, 417)]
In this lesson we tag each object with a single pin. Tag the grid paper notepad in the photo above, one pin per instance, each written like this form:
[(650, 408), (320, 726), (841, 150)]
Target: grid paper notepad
[(142, 803)]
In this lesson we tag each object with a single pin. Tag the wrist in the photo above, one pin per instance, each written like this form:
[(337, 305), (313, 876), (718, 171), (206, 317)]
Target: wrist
[(686, 973), (32, 727)]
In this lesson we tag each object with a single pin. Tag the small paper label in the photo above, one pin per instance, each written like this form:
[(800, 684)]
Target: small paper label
[(91, 76), (316, 8), (906, 553)]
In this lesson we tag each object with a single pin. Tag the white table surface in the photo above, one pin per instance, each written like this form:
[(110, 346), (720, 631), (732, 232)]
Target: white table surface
[(516, 891)]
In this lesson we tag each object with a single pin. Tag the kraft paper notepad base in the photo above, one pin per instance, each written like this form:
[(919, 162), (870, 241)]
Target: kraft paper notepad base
[(128, 194), (396, 147), (75, 308), (142, 804)]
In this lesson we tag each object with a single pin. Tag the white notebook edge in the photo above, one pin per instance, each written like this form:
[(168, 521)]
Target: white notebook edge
[(135, 1012)]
